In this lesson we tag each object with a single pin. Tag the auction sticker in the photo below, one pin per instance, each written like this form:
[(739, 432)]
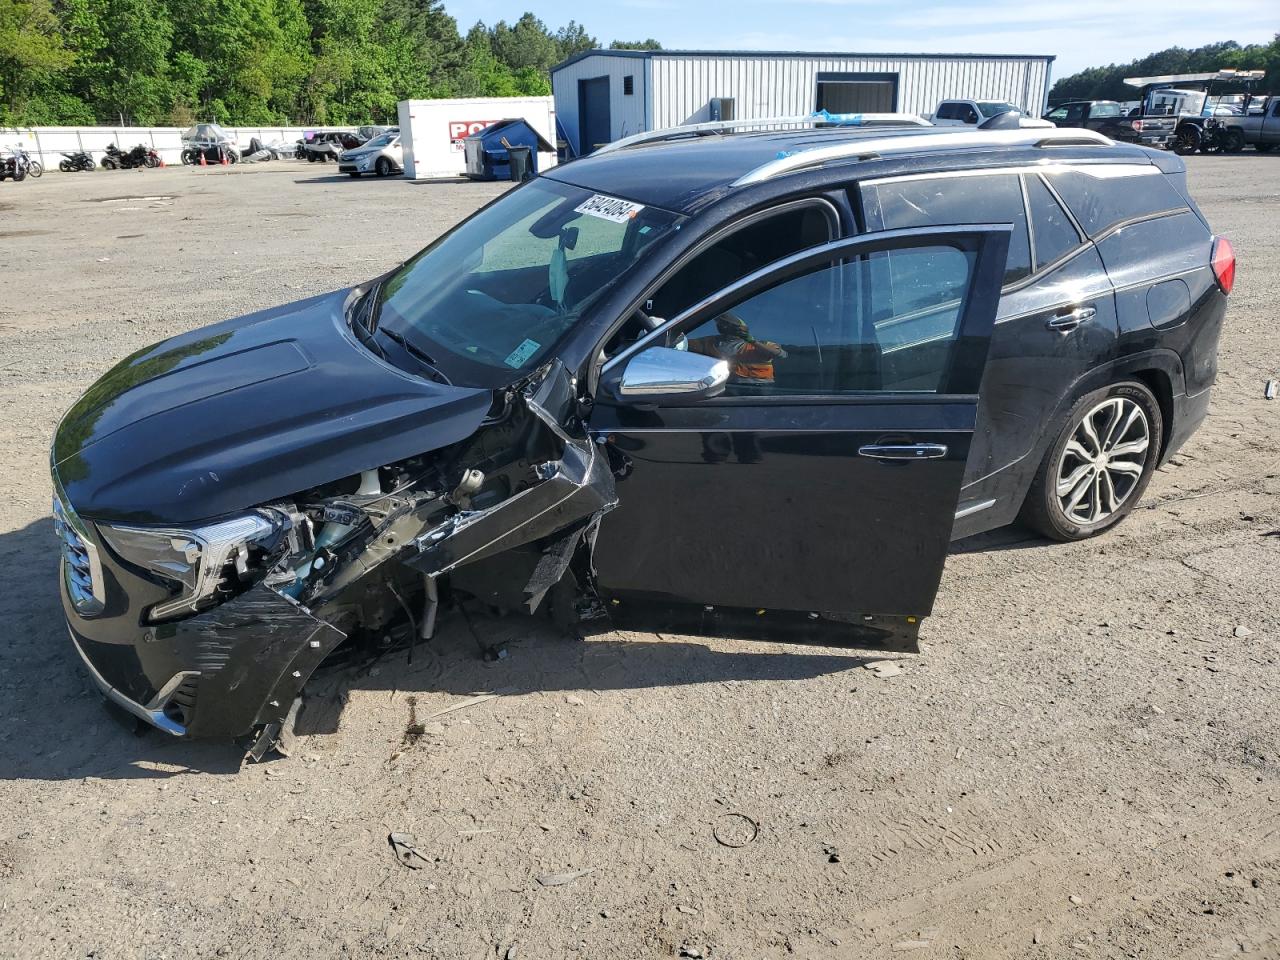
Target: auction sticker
[(609, 208), (517, 357)]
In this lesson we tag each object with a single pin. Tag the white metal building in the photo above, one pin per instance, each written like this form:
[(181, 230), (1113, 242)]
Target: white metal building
[(603, 95)]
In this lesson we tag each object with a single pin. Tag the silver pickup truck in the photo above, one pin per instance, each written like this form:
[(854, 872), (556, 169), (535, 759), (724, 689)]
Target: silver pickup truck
[(1260, 122)]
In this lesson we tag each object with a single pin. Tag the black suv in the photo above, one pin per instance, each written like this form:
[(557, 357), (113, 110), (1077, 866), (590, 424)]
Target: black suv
[(746, 383)]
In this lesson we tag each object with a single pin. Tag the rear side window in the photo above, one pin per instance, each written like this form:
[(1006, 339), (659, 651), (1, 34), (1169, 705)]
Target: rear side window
[(1106, 195), (1053, 233), (949, 111), (948, 201), (1105, 110)]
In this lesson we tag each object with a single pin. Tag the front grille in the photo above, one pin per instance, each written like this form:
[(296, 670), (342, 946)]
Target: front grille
[(80, 567)]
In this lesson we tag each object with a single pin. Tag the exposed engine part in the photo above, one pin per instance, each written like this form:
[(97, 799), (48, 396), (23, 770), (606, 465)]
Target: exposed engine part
[(472, 481)]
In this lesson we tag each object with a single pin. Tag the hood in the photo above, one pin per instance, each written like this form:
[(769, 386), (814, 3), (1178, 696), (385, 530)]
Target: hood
[(246, 411)]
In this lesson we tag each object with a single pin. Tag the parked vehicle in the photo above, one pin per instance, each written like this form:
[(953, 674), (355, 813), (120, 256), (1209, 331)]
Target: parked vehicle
[(865, 342), (139, 156), (74, 162), (382, 155), (15, 164), (1108, 119), (324, 147), (1188, 98), (213, 152), (211, 141), (1259, 123), (959, 113), (34, 167)]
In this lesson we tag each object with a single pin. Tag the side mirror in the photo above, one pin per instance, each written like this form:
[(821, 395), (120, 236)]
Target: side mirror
[(660, 374)]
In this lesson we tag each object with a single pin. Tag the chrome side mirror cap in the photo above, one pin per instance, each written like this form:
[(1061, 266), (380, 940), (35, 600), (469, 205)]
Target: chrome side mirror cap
[(660, 374)]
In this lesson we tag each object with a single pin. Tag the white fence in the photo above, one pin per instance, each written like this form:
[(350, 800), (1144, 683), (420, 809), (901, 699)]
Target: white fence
[(49, 143)]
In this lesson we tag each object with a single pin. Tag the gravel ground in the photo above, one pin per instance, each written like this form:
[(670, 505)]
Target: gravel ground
[(1083, 762)]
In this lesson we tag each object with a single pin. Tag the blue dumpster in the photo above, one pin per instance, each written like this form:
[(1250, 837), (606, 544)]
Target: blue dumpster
[(486, 151)]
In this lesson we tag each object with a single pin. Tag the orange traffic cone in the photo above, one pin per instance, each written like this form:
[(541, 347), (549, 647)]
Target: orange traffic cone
[(203, 161), (224, 161)]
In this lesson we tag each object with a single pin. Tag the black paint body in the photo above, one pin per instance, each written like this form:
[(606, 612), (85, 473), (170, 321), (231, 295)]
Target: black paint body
[(725, 507)]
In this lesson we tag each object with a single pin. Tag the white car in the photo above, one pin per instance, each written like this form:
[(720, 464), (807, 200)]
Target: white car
[(961, 113), (382, 155)]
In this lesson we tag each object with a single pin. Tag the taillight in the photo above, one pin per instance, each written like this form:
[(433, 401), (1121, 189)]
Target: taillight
[(1223, 261), (1137, 125)]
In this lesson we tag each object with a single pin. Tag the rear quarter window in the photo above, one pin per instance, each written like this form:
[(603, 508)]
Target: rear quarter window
[(1107, 195)]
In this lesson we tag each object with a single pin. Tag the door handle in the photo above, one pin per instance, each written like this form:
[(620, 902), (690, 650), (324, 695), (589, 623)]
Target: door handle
[(903, 451), (1066, 322)]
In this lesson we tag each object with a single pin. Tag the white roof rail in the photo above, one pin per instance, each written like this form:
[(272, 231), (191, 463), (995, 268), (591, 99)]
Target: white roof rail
[(873, 147), (857, 120)]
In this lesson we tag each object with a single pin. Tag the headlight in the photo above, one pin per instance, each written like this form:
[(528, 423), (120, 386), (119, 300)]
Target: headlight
[(195, 561)]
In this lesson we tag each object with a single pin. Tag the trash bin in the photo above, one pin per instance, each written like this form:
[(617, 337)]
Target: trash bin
[(491, 153), (521, 162)]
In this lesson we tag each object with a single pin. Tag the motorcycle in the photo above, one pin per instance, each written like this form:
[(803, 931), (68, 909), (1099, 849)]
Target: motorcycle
[(16, 165), (34, 167), (139, 156), (1219, 138), (212, 152), (76, 162)]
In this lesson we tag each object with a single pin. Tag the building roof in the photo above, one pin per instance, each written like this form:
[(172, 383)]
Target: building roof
[(797, 54)]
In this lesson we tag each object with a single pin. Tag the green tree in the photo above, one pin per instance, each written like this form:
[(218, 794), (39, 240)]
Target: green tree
[(32, 55), (649, 44), (573, 39), (1107, 83), (527, 43), (131, 69)]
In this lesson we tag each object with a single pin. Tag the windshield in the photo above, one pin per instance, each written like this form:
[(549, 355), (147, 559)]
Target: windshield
[(991, 108), (383, 140), (497, 293)]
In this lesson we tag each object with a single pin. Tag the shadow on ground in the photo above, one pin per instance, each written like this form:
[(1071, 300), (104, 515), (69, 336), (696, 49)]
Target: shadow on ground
[(55, 725)]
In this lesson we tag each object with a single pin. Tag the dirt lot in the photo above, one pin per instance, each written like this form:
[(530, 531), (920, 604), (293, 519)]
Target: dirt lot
[(1083, 762)]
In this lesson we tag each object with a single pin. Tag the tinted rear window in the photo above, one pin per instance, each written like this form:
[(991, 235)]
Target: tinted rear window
[(1111, 194), (947, 201)]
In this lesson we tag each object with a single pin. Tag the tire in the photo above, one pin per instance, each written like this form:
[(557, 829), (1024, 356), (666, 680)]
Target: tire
[(1098, 499), (65, 166), (36, 169), (19, 174), (1235, 141), (311, 158), (1187, 140), (383, 167), (353, 175)]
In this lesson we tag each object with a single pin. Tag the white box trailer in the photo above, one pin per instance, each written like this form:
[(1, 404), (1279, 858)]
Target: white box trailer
[(432, 131)]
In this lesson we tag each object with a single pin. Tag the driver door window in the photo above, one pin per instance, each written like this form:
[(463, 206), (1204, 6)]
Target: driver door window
[(879, 323), (743, 252)]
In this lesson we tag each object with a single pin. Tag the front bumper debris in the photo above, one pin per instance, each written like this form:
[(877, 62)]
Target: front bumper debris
[(239, 667)]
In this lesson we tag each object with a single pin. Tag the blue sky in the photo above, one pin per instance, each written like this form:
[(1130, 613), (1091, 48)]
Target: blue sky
[(1082, 33)]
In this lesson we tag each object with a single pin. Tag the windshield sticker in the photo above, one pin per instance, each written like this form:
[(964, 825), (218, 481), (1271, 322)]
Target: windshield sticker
[(609, 208), (520, 355)]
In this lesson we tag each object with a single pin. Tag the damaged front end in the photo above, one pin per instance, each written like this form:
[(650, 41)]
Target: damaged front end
[(372, 560)]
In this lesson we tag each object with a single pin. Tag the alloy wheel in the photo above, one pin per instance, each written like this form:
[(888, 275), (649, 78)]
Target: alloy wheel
[(1103, 462)]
